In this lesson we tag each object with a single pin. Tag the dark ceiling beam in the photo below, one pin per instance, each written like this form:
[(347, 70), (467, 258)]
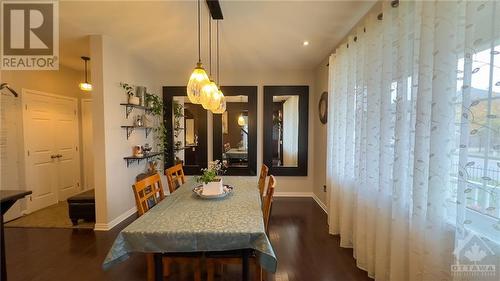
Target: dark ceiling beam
[(215, 10)]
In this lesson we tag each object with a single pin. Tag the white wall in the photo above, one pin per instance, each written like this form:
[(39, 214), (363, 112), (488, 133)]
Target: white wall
[(320, 133), (113, 180), (62, 82)]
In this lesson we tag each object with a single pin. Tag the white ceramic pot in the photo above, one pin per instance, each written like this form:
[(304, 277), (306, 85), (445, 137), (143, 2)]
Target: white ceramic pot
[(134, 100), (212, 188)]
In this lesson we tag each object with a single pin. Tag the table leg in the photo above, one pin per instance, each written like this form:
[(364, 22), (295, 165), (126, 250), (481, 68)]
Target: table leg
[(3, 265), (245, 265), (158, 267)]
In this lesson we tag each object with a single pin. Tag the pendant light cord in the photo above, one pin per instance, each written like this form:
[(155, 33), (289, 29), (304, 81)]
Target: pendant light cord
[(199, 34), (209, 45), (86, 72), (218, 73)]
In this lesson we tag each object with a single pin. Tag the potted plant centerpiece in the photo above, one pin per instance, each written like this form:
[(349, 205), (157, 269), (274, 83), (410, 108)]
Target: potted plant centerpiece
[(210, 178)]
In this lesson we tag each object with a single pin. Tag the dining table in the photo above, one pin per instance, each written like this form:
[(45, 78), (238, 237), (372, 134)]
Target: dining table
[(185, 223), (7, 199)]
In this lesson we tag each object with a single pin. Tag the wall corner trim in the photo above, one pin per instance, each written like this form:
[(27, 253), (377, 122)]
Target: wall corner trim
[(116, 221), (321, 204), (303, 194)]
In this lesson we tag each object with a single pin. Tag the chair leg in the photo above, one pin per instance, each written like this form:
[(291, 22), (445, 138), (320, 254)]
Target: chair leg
[(210, 270), (197, 269), (150, 273), (167, 262), (257, 276)]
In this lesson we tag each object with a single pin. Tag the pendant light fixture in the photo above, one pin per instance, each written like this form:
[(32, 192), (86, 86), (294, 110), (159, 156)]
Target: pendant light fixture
[(85, 86), (199, 77), (221, 100), (210, 91)]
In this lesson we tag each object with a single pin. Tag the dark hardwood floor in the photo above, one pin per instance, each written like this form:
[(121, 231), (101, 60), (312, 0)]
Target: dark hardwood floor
[(298, 232)]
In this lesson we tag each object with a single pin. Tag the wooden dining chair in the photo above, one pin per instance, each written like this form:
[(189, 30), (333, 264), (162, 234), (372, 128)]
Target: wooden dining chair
[(175, 177), (262, 179), (148, 193), (233, 257)]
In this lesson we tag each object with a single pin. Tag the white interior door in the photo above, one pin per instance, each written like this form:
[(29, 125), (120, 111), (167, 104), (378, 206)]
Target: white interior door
[(39, 152), (66, 141), (88, 155), (51, 148)]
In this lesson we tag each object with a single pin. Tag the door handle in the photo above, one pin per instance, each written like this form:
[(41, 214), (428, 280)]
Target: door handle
[(59, 155), (53, 156)]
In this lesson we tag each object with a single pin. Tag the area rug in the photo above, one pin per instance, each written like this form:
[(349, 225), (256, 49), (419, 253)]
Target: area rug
[(55, 216)]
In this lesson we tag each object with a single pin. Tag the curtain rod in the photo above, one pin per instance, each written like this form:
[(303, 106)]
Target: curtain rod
[(394, 4)]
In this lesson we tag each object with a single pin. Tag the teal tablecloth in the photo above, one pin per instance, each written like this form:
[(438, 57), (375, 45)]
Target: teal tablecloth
[(184, 223)]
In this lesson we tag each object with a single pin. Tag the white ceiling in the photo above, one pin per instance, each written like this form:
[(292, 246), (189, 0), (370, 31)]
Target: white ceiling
[(256, 35)]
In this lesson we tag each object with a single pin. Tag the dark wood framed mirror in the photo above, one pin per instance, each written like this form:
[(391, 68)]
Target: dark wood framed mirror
[(235, 131), (186, 129), (286, 121)]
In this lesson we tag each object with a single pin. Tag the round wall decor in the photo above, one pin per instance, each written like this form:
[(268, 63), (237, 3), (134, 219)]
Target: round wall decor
[(323, 107)]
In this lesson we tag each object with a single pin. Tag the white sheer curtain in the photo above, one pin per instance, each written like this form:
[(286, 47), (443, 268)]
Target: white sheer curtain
[(414, 139)]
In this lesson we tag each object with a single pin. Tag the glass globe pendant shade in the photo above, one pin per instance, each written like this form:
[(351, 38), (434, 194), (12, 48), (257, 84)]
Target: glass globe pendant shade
[(214, 101), (221, 108), (84, 86), (208, 93), (197, 81)]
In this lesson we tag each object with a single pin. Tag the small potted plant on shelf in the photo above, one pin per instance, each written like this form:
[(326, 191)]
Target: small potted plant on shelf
[(210, 178), (132, 99)]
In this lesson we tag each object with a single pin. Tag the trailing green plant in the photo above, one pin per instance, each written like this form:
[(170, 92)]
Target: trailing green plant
[(161, 137), (155, 103), (128, 88), (178, 110)]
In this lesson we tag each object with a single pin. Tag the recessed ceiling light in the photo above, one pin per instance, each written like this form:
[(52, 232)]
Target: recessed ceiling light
[(305, 43)]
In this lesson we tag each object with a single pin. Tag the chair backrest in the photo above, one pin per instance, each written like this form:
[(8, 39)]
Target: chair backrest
[(175, 177), (148, 192), (268, 200), (262, 179)]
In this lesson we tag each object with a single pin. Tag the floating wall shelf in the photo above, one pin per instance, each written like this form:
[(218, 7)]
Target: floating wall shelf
[(130, 129), (131, 159), (129, 107)]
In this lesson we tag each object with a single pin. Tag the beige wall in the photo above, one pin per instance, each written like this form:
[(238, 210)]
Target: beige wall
[(320, 133), (113, 180), (62, 82)]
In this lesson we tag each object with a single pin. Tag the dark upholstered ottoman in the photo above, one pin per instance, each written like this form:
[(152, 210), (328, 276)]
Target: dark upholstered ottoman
[(82, 206)]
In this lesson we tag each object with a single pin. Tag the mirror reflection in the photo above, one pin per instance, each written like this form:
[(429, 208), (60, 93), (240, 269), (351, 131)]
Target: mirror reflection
[(235, 132), (285, 131), (186, 116)]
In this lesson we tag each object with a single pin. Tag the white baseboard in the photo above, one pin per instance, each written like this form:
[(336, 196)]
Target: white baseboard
[(293, 194), (303, 194), (116, 221)]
